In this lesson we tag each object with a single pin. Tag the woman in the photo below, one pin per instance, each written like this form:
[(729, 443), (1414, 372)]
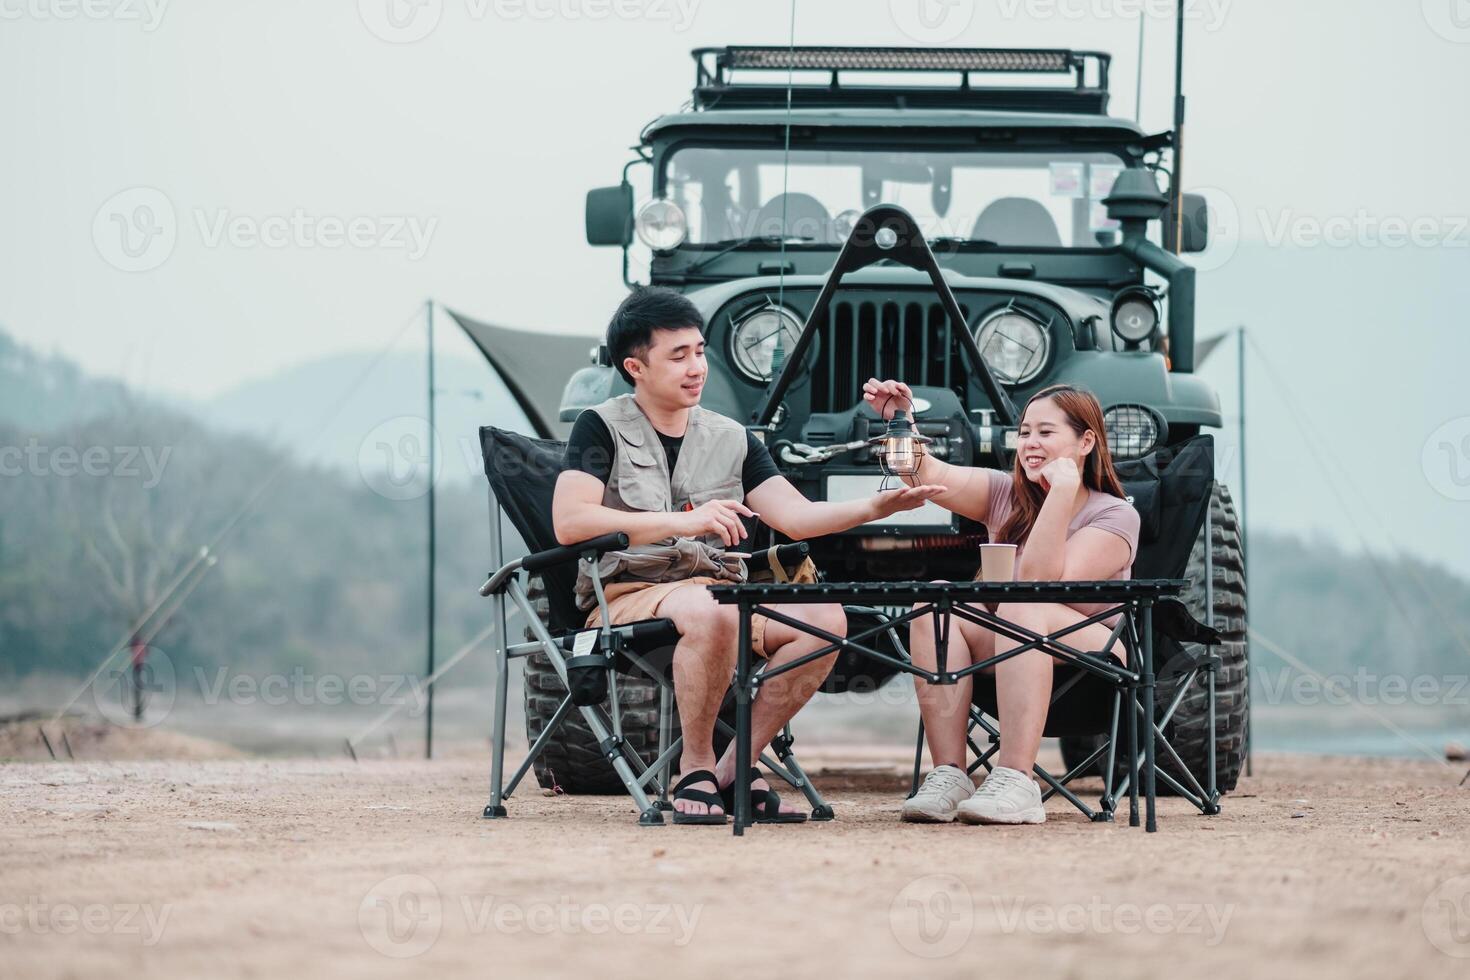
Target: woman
[(1064, 507)]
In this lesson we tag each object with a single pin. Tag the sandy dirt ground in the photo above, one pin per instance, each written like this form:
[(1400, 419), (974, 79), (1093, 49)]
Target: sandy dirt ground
[(221, 868)]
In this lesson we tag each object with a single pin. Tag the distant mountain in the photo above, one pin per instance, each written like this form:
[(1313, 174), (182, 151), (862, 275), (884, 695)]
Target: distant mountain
[(347, 412), (41, 391), (350, 411)]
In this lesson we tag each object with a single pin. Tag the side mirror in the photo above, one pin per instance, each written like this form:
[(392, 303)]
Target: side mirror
[(1195, 222), (610, 215)]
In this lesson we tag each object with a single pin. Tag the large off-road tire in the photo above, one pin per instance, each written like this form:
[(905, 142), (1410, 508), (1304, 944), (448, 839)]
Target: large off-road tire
[(572, 759), (1188, 730)]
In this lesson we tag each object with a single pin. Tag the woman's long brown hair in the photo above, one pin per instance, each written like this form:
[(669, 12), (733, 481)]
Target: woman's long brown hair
[(1083, 412)]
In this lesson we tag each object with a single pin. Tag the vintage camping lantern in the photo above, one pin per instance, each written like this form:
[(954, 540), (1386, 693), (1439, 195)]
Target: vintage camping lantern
[(900, 449)]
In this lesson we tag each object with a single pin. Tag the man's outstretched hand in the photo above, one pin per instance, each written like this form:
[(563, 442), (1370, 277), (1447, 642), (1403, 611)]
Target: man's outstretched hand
[(909, 498)]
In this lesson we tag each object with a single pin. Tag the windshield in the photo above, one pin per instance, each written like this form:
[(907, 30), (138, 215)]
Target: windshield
[(1023, 200)]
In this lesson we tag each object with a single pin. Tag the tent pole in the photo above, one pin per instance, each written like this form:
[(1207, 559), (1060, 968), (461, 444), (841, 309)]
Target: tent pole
[(1175, 231), (1240, 512), (429, 711)]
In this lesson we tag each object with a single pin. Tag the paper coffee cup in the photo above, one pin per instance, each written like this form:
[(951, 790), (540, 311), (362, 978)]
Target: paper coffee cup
[(997, 562)]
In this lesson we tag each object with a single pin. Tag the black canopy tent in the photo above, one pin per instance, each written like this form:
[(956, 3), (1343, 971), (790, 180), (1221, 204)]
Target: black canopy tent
[(534, 365)]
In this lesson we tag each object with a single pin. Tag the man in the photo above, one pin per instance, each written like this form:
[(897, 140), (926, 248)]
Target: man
[(680, 481)]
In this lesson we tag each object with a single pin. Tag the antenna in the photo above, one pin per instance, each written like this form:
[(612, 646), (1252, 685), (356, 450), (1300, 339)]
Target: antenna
[(1138, 83), (785, 178), (1176, 209)]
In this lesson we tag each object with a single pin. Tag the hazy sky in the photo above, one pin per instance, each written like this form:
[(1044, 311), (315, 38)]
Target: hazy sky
[(325, 172)]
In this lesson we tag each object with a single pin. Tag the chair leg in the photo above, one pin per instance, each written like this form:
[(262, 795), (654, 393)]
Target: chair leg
[(1133, 708), (1150, 760), (1109, 801), (665, 733), (1059, 787), (821, 809), (612, 749), (611, 746), (918, 759), (560, 715), (496, 806), (1212, 792)]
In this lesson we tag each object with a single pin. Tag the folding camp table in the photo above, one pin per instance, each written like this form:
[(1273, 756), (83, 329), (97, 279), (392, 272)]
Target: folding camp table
[(1131, 600)]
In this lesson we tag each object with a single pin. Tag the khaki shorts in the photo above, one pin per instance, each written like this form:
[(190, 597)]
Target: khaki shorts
[(629, 602)]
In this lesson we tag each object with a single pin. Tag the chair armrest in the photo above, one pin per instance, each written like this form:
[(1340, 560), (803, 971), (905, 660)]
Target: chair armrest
[(552, 557), (792, 554)]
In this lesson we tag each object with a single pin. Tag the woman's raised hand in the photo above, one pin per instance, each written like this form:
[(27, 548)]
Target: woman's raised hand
[(887, 397), (1062, 473)]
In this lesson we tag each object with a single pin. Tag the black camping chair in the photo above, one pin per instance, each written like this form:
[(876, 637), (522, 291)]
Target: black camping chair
[(522, 474), (1171, 489)]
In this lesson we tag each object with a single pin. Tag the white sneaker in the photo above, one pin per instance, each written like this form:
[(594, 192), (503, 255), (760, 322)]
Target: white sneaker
[(1006, 796), (943, 790)]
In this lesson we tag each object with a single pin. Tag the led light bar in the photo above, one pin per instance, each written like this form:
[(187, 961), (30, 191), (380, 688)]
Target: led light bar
[(900, 59)]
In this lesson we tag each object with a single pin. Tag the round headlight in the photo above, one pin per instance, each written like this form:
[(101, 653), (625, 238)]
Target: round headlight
[(761, 341), (1133, 431), (661, 225), (1013, 344), (1135, 315)]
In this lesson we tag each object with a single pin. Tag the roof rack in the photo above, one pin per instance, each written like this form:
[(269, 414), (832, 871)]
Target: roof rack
[(715, 88)]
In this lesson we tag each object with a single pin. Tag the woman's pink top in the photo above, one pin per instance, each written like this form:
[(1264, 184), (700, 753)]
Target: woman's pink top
[(1102, 510)]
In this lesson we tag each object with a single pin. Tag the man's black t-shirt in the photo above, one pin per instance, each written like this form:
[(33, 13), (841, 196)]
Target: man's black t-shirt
[(590, 448)]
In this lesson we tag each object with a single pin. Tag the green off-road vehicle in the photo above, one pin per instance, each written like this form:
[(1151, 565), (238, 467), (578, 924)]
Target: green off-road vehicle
[(1047, 218)]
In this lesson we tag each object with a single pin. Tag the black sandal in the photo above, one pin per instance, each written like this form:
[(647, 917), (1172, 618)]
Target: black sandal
[(681, 792), (765, 804)]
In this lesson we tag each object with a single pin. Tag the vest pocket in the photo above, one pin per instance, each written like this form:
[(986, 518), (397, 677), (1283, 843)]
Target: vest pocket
[(641, 482), (724, 490)]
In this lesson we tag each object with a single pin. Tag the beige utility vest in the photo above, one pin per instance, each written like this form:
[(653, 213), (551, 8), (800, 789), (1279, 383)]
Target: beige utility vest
[(711, 462)]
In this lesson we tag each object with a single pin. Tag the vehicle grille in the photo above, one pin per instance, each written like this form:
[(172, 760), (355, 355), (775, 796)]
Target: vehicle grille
[(908, 340)]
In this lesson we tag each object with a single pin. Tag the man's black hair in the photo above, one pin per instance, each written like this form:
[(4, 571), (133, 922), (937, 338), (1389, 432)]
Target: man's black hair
[(646, 309)]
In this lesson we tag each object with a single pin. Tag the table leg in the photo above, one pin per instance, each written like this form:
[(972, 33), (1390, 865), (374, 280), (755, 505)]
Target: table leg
[(742, 723), (1150, 822), (1133, 708)]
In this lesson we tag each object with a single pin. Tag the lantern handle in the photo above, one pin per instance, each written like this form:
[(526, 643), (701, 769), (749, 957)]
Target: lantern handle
[(882, 408)]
